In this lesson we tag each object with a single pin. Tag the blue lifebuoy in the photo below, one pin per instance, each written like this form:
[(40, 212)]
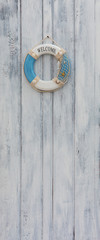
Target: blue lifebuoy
[(63, 73), (29, 68)]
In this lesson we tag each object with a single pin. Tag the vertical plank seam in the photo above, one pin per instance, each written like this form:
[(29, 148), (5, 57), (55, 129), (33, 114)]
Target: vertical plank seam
[(74, 118), (94, 114), (42, 155), (42, 147), (52, 71), (20, 119)]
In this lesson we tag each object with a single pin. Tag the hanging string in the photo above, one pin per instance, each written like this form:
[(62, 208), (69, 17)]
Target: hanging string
[(47, 37)]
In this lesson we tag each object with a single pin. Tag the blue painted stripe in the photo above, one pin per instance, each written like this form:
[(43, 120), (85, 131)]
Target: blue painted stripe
[(29, 68)]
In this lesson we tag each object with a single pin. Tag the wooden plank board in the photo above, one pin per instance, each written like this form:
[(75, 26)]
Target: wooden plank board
[(84, 121), (9, 121), (97, 121), (47, 126), (32, 202), (63, 129), (49, 142)]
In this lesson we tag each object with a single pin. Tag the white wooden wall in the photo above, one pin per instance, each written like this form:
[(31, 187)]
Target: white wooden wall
[(50, 142)]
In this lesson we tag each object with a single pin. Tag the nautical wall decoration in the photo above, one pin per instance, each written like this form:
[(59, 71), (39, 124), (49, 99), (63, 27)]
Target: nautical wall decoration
[(63, 71)]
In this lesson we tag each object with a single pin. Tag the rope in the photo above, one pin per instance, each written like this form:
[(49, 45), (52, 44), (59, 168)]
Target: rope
[(45, 39)]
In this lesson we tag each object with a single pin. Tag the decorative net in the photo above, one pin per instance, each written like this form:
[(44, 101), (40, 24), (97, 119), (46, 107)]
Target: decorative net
[(64, 69)]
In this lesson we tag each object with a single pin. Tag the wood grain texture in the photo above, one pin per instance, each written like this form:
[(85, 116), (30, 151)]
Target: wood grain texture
[(47, 127), (50, 142), (31, 200), (63, 129), (9, 121), (84, 121), (97, 120)]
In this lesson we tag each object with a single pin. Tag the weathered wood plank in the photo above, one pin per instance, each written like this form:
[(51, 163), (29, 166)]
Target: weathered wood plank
[(47, 128), (63, 129), (32, 219), (97, 122), (84, 125), (47, 178), (9, 121)]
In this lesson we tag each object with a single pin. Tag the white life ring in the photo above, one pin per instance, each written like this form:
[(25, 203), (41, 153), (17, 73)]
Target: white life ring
[(63, 73)]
